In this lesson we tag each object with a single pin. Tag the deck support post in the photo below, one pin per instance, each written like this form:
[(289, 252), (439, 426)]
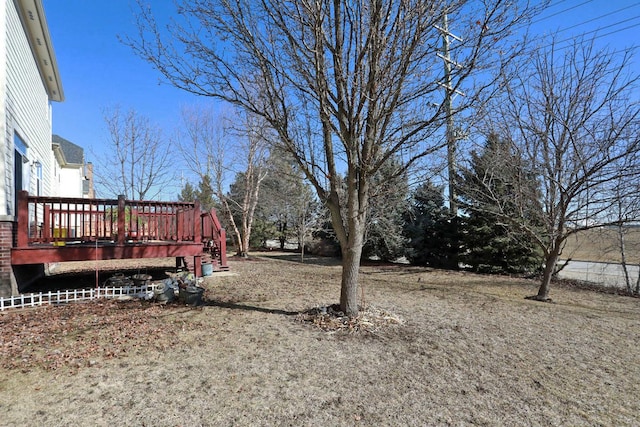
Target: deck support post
[(223, 250), (197, 265), (197, 222), (121, 220)]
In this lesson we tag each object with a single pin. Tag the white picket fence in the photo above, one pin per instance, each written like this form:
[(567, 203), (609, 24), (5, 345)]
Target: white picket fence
[(75, 295)]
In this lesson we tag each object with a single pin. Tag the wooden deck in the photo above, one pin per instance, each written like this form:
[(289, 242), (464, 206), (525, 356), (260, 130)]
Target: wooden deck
[(55, 229)]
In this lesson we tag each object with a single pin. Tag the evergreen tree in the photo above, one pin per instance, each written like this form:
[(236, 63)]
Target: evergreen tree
[(388, 204), (205, 193), (384, 237), (432, 238), (287, 202), (496, 178), (261, 231), (325, 242), (188, 193)]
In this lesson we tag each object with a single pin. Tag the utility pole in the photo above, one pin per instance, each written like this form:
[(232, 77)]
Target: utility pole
[(450, 130), (451, 136)]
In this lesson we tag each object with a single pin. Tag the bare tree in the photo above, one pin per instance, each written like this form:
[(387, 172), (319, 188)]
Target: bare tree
[(201, 140), (139, 166), (570, 114), (626, 216), (253, 137), (367, 75), (307, 215), (212, 151)]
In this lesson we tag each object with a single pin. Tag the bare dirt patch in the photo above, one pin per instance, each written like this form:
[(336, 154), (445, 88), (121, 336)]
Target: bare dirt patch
[(469, 350)]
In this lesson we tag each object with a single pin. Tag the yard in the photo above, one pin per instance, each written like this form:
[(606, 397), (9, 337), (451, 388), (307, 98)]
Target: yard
[(432, 348)]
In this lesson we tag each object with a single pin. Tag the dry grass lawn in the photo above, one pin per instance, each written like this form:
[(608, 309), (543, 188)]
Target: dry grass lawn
[(602, 245), (459, 349)]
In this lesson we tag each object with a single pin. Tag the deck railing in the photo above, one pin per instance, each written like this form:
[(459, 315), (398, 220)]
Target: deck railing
[(65, 229), (59, 220)]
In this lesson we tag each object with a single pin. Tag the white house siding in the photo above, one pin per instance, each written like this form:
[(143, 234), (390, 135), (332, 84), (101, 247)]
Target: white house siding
[(28, 112), (3, 115), (70, 182)]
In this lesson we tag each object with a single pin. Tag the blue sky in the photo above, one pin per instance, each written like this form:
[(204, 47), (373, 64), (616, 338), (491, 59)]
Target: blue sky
[(99, 72)]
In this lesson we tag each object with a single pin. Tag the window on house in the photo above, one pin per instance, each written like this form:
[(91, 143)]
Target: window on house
[(19, 144), (20, 171)]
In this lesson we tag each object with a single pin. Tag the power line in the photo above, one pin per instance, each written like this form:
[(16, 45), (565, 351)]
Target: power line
[(598, 17), (543, 40), (619, 30), (561, 11), (595, 31), (609, 33), (558, 49)]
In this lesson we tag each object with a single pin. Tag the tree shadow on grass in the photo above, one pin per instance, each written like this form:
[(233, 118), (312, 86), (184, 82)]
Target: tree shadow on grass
[(244, 307), (295, 257), (326, 261)]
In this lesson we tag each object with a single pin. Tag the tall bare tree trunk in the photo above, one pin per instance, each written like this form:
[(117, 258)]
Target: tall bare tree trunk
[(351, 257), (228, 213), (549, 268), (551, 260), (623, 256)]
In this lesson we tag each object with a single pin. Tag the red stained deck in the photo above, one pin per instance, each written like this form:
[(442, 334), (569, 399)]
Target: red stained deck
[(57, 229)]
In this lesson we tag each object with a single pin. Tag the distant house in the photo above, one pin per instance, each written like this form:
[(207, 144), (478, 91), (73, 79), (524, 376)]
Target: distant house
[(72, 176), (29, 82)]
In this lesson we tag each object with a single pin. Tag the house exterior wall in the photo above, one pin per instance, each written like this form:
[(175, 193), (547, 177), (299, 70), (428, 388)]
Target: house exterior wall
[(70, 182), (3, 113), (27, 112), (8, 285), (72, 176)]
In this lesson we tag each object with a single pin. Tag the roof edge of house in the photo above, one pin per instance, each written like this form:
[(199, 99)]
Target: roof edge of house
[(34, 22)]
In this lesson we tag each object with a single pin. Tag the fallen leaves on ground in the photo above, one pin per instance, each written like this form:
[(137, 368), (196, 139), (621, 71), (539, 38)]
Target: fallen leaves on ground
[(82, 334), (331, 319)]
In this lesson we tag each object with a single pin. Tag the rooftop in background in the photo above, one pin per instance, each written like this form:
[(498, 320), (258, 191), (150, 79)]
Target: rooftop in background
[(69, 154)]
